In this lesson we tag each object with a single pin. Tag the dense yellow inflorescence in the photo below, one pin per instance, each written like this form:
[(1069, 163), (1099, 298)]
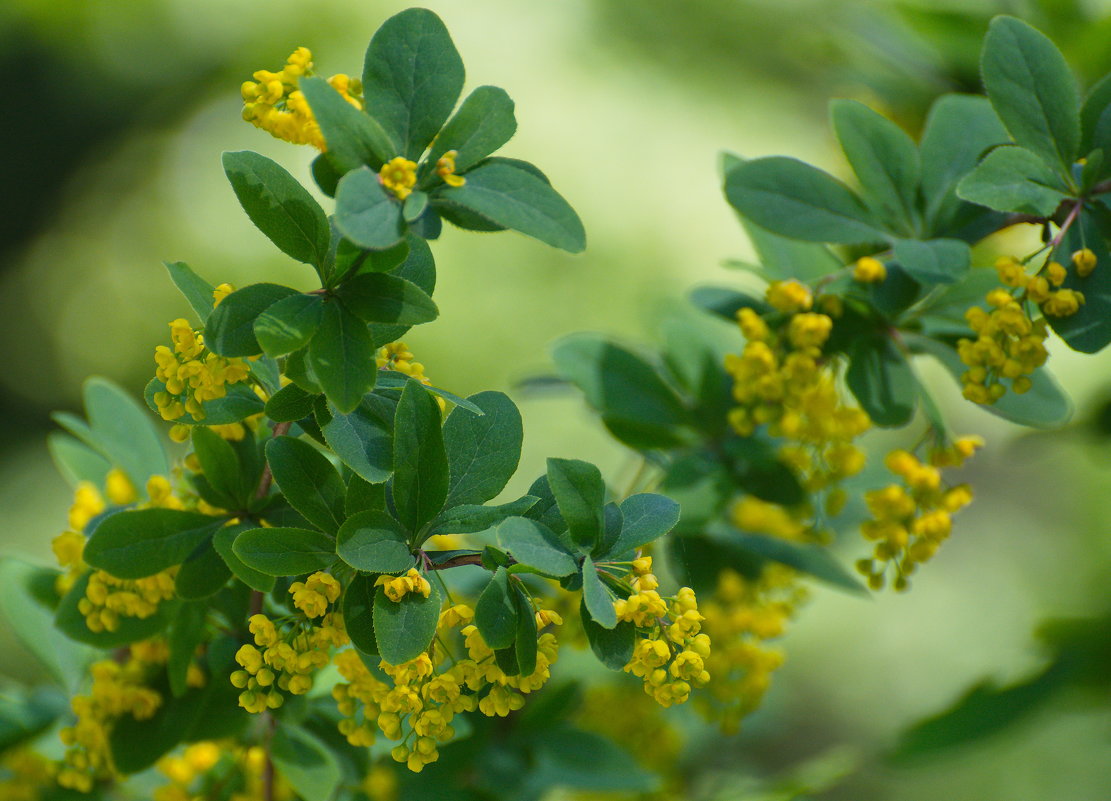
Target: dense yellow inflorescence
[(910, 519), (397, 587), (742, 616), (1009, 344), (192, 374), (670, 651), (285, 658), (25, 775), (208, 767), (423, 695), (273, 102)]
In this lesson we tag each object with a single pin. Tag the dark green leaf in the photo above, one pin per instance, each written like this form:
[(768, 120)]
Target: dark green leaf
[(404, 629), (470, 518), (1013, 179), (289, 404), (224, 541), (1089, 330), (782, 258), (362, 496), (279, 207), (482, 124), (326, 174), (418, 267), (613, 647), (1032, 90), (516, 198), (412, 77), (884, 159), (812, 559), (363, 439), (580, 492), (645, 517), (570, 757), (185, 634), (385, 298), (535, 545), (305, 762), (1095, 117), (285, 551), (415, 205), (139, 543), (525, 640), (352, 137), (934, 261), (374, 542), (220, 466), (597, 599), (289, 324), (495, 614), (726, 302), (230, 328), (882, 382), (358, 613), (202, 575), (341, 356), (482, 450), (308, 481), (796, 200), (420, 480), (366, 213), (197, 291), (390, 380)]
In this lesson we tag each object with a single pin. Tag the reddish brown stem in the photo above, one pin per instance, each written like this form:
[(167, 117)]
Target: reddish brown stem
[(457, 561)]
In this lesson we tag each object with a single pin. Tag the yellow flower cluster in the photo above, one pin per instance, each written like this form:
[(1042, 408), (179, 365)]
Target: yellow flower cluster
[(273, 102), (118, 689), (670, 650), (741, 617), (399, 175), (228, 765), (397, 587), (425, 694), (191, 374), (25, 775), (445, 168), (291, 655), (107, 598), (911, 519), (397, 356)]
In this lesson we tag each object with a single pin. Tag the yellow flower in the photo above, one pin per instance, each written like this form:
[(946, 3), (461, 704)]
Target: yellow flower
[(868, 270), (445, 168), (399, 175)]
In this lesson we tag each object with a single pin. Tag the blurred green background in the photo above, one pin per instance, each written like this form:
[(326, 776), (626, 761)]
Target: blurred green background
[(117, 114)]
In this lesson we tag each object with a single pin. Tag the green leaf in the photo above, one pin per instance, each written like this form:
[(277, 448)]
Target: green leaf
[(341, 356), (75, 460), (279, 207), (1013, 179), (646, 517), (385, 298), (220, 466), (794, 199), (24, 716), (885, 160), (414, 206), (482, 450), (197, 291), (363, 439), (366, 213), (959, 130), (358, 612), (596, 597), (141, 542), (783, 258), (814, 560), (404, 629), (525, 646), (238, 404), (580, 493), (1089, 330), (637, 405), (305, 762), (203, 574), (509, 196), (613, 647), (934, 261), (362, 496), (1045, 406), (289, 324), (391, 380), (495, 614), (374, 542), (482, 124), (1095, 117), (725, 302), (353, 138), (537, 546), (224, 543), (1032, 90), (573, 758), (32, 623), (420, 480), (308, 481), (125, 433), (289, 404), (69, 620), (285, 551), (417, 267), (470, 518), (185, 634), (230, 328), (412, 77), (882, 382)]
